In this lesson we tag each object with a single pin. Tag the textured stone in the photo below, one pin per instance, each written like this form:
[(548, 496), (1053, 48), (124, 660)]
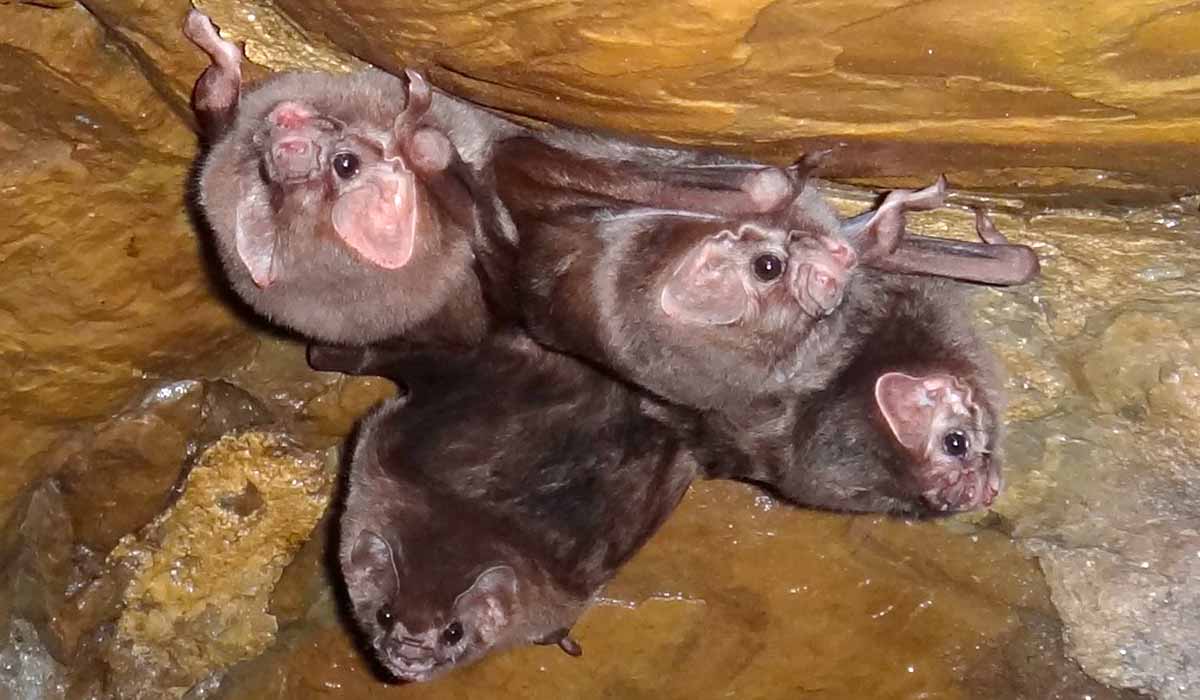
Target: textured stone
[(741, 597), (98, 256), (1029, 96), (27, 671), (202, 573)]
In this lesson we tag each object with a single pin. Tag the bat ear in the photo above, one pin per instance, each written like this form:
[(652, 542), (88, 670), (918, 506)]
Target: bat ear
[(255, 239), (430, 151), (487, 606), (372, 561), (378, 218), (909, 405), (707, 286), (420, 96)]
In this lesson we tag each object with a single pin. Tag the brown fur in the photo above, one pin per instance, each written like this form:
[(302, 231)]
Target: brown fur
[(325, 290), (504, 456)]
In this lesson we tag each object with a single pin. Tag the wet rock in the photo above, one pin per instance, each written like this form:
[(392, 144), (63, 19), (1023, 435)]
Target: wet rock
[(750, 598), (119, 477), (201, 575), (1130, 623), (1101, 484), (1160, 381), (27, 671), (775, 78), (320, 407), (97, 251), (35, 567)]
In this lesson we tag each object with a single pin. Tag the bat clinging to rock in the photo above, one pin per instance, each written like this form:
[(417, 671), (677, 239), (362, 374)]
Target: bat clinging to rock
[(908, 421), (357, 207), (705, 309), (336, 211), (487, 507), (459, 538)]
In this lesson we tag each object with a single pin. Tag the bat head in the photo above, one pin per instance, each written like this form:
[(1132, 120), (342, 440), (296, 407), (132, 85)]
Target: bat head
[(320, 203), (948, 432), (416, 634), (759, 278)]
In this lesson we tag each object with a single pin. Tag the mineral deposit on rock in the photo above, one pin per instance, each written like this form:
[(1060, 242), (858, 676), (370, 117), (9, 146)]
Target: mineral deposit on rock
[(202, 573)]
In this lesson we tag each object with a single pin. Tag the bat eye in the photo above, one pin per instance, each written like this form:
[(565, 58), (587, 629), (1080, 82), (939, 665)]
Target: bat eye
[(452, 633), (956, 443), (384, 617), (345, 165), (768, 267)]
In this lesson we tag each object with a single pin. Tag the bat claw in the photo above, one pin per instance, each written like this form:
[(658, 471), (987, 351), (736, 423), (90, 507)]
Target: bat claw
[(986, 229), (570, 647)]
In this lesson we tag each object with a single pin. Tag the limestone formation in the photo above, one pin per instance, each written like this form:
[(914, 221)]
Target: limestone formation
[(201, 575)]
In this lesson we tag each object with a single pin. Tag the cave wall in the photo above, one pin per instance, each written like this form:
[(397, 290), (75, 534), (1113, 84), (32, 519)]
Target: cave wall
[(1074, 121)]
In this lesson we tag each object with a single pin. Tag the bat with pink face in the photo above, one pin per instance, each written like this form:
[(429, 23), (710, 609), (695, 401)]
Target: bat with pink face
[(709, 310), (352, 208), (335, 209), (908, 418)]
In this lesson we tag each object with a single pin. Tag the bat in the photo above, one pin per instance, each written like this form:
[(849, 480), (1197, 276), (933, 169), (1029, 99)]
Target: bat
[(708, 310), (486, 512), (354, 208), (909, 422)]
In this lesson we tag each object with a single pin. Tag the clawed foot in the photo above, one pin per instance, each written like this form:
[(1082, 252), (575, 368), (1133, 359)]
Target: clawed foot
[(877, 233), (217, 91)]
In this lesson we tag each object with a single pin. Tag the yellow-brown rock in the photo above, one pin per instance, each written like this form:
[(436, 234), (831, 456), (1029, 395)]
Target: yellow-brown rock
[(104, 284), (1026, 94), (201, 575)]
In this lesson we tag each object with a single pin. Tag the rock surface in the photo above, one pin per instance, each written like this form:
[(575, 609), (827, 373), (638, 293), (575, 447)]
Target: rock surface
[(201, 575), (1050, 99), (123, 361)]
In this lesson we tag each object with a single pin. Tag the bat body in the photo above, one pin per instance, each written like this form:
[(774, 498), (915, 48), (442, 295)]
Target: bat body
[(907, 420), (703, 312), (354, 208), (488, 506), (713, 311)]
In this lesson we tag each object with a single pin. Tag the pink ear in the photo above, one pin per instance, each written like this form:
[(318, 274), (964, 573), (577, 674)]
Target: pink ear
[(378, 218), (290, 115), (707, 286), (430, 151), (373, 561), (488, 604), (909, 405), (254, 238)]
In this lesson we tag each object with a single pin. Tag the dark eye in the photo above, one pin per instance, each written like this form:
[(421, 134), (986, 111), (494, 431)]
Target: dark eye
[(956, 443), (768, 267), (452, 633), (384, 617), (345, 165)]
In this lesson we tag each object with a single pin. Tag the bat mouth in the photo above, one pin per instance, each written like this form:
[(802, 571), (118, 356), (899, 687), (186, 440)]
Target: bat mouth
[(961, 490), (413, 671)]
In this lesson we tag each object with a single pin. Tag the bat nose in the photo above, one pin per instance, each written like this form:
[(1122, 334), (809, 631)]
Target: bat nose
[(295, 158)]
